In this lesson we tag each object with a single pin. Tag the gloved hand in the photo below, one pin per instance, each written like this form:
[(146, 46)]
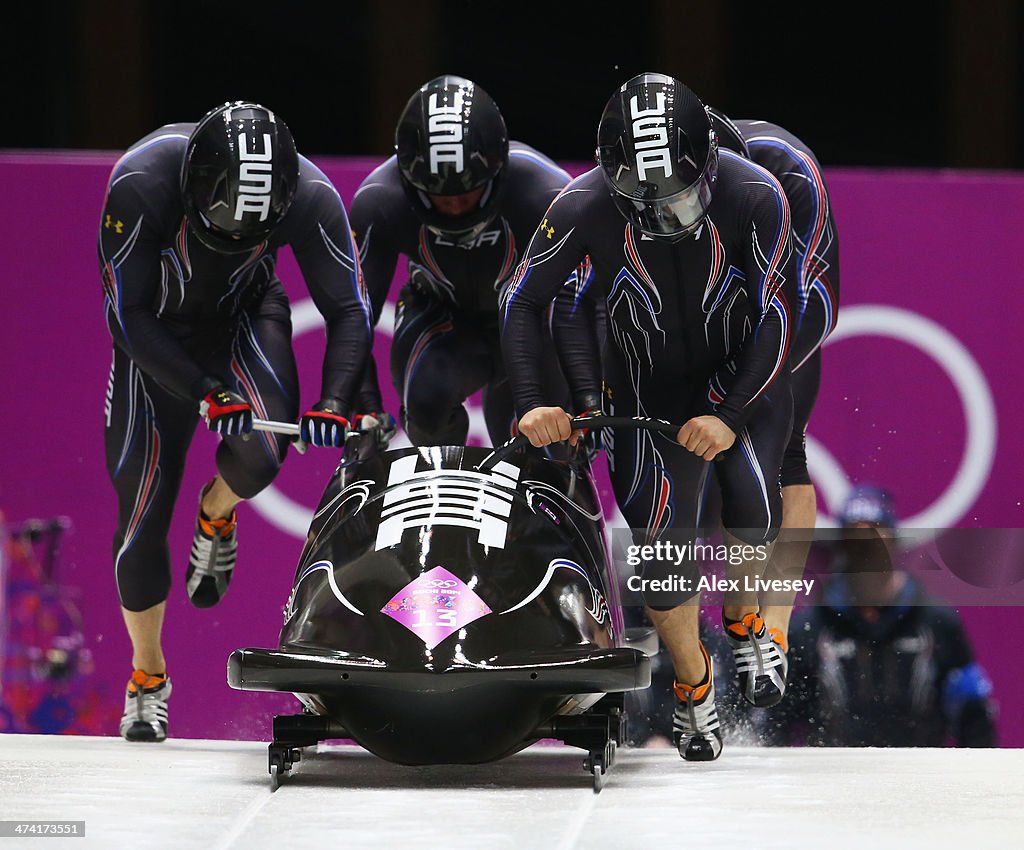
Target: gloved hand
[(226, 412), (591, 439), (384, 426), (324, 425)]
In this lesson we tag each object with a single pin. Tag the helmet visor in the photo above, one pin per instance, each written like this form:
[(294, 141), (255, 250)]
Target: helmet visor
[(675, 215)]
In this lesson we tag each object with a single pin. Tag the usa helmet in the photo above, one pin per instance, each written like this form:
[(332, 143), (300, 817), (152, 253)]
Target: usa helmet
[(451, 140), (659, 155), (239, 176)]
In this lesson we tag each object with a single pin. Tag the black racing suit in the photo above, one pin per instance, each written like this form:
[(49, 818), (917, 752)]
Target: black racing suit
[(446, 342), (816, 246), (183, 316), (701, 325)]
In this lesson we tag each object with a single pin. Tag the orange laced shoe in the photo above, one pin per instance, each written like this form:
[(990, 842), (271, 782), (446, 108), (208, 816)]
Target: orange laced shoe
[(760, 660), (779, 638), (695, 726), (145, 707), (213, 557)]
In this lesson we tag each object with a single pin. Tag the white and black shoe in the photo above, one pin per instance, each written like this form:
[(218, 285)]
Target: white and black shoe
[(760, 660), (695, 726), (212, 560), (145, 707)]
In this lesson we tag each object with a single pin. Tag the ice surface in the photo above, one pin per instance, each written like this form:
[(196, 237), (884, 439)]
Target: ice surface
[(216, 794)]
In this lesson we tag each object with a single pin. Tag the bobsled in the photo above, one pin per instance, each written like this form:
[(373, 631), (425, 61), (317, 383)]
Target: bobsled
[(451, 605)]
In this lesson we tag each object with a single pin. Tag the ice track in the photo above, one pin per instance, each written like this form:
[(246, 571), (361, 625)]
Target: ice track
[(216, 794)]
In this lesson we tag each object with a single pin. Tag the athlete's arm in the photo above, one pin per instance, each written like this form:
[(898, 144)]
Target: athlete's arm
[(326, 254), (538, 182), (771, 280), (574, 322), (966, 688), (816, 242), (374, 237), (554, 251), (378, 256), (129, 249)]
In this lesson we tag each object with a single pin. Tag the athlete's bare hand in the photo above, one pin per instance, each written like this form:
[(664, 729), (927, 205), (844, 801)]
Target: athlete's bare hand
[(546, 425), (706, 436)]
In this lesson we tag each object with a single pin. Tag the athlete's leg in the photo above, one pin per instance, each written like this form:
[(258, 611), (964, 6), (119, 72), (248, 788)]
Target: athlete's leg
[(144, 630), (437, 362), (748, 474), (260, 366), (820, 308), (752, 516), (658, 486), (799, 504), (146, 438), (258, 362)]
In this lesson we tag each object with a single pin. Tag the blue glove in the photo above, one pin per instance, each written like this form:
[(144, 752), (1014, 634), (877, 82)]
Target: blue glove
[(323, 425), (226, 412), (965, 684)]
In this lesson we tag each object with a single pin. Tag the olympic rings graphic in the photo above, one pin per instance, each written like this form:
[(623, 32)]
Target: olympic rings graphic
[(978, 409), (857, 320)]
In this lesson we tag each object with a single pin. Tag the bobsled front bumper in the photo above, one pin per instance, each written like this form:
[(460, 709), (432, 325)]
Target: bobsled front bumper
[(571, 670)]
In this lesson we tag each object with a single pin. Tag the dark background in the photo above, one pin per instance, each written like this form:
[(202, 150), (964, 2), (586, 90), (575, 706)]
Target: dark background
[(895, 84)]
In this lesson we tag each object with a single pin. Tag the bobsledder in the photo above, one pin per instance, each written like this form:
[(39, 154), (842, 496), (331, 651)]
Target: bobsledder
[(452, 605)]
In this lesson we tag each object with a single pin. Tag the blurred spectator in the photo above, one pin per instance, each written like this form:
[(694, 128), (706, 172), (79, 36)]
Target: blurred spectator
[(878, 662), (875, 661)]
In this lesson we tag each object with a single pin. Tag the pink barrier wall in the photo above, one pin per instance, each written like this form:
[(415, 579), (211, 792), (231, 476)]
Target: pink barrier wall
[(919, 394)]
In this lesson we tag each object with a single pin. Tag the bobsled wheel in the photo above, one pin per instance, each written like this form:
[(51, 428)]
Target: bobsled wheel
[(281, 759), (599, 762), (596, 764)]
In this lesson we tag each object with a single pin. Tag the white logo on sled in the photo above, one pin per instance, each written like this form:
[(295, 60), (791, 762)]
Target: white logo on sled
[(452, 497), (650, 126), (255, 178), (444, 124)]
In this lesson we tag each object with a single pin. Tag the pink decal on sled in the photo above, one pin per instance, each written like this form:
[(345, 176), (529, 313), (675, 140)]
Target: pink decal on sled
[(435, 605)]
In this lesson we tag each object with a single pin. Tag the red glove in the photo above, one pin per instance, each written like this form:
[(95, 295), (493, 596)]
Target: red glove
[(226, 412)]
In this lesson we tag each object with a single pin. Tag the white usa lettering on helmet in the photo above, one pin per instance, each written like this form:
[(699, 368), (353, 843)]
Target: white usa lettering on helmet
[(255, 177), (444, 126), (650, 137)]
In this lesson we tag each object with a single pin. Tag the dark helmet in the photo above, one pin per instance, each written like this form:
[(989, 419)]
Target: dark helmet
[(451, 140), (239, 177), (659, 155), (729, 135), (870, 504)]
